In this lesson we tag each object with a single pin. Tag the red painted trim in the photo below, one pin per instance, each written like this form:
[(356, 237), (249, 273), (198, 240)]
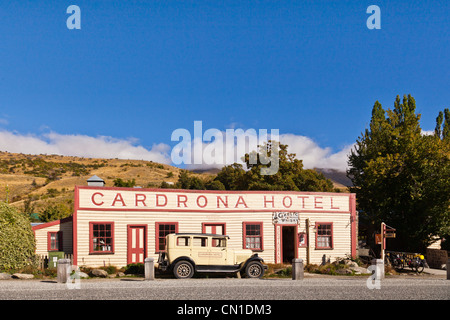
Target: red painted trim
[(49, 235), (214, 224), (129, 239), (277, 245), (353, 225), (215, 191), (52, 223), (295, 240), (332, 235), (244, 224), (76, 205), (157, 224), (91, 231), (59, 234), (280, 246)]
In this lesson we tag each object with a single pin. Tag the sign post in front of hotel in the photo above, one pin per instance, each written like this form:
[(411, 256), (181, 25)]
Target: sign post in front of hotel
[(383, 239), (386, 232)]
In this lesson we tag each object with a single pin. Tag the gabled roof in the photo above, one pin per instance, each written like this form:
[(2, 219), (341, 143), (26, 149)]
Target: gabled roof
[(51, 223), (95, 178)]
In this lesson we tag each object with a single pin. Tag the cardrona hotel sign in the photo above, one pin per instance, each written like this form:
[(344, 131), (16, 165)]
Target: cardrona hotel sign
[(136, 199)]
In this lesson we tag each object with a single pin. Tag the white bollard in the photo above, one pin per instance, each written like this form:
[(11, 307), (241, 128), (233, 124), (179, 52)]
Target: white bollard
[(379, 272), (63, 267), (149, 266), (297, 269)]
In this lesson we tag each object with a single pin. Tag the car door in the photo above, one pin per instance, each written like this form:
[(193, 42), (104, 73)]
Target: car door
[(218, 251), (200, 250)]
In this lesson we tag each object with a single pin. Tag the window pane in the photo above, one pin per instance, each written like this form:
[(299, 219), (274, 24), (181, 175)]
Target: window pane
[(200, 242), (163, 231), (253, 239), (102, 237), (183, 241)]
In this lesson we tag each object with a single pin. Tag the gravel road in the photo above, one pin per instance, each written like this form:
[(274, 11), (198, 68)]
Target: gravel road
[(321, 288)]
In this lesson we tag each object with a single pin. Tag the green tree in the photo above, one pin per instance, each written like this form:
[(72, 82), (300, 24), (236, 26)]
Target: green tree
[(402, 177), (290, 175), (126, 184), (28, 207), (17, 243), (54, 212)]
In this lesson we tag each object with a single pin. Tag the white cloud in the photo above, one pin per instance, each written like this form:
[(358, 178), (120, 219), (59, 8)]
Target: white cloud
[(313, 155), (82, 146), (427, 132), (216, 154)]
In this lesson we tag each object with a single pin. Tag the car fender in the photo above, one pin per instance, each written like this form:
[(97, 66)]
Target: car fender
[(174, 262), (254, 257)]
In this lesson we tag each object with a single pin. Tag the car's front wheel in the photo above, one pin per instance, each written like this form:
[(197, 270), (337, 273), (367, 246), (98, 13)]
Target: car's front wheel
[(183, 270), (254, 270)]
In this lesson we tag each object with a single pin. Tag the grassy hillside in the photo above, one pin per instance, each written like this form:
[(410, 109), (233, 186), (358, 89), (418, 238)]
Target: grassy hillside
[(44, 180), (50, 179)]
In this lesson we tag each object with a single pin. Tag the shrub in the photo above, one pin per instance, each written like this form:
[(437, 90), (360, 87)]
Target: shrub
[(17, 243), (110, 269), (135, 268)]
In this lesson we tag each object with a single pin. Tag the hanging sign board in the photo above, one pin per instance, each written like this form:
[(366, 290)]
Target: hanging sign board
[(378, 238), (285, 218), (389, 235)]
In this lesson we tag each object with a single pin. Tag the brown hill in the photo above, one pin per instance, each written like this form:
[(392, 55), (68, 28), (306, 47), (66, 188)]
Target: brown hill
[(43, 180), (50, 179)]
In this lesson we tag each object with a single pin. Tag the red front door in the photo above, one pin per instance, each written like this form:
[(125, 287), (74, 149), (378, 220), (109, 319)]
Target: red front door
[(137, 244)]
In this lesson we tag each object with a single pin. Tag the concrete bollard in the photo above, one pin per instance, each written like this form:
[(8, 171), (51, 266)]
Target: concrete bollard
[(149, 266), (379, 272), (297, 269), (448, 269), (63, 268)]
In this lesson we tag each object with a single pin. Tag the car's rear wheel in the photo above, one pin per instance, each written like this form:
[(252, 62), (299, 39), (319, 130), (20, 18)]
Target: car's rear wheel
[(183, 270), (254, 270)]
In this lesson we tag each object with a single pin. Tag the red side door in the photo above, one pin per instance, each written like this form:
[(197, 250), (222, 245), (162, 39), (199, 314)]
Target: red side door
[(137, 243)]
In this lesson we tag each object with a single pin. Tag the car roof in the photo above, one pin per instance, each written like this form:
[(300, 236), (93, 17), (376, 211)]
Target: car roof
[(200, 234)]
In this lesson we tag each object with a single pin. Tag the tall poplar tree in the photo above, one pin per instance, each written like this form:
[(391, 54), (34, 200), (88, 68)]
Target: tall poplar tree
[(402, 176)]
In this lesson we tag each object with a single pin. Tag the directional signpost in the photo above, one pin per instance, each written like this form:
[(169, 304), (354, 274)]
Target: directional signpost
[(386, 232)]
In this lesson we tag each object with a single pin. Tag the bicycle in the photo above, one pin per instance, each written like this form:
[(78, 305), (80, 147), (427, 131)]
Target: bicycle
[(416, 263), (396, 261)]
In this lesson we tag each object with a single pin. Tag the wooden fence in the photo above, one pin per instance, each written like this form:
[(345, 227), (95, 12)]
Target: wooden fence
[(42, 260)]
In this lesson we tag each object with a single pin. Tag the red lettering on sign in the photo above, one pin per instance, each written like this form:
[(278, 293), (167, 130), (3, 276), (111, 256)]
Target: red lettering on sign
[(317, 202), (240, 201), (179, 201), (225, 203), (332, 207), (93, 200), (205, 201), (120, 199), (141, 200), (290, 202), (158, 204), (303, 200), (268, 201)]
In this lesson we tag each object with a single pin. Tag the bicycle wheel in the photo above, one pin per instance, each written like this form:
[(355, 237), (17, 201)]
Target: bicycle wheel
[(399, 265), (419, 267)]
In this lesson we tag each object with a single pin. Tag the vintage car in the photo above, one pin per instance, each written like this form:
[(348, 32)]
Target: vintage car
[(190, 253)]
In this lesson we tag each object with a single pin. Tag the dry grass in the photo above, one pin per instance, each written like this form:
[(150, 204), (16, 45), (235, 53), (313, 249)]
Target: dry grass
[(19, 174)]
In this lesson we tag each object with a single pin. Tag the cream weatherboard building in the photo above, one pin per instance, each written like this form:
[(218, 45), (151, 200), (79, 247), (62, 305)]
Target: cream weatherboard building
[(119, 226)]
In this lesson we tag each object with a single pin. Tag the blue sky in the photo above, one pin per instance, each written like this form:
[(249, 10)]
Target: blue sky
[(138, 70)]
